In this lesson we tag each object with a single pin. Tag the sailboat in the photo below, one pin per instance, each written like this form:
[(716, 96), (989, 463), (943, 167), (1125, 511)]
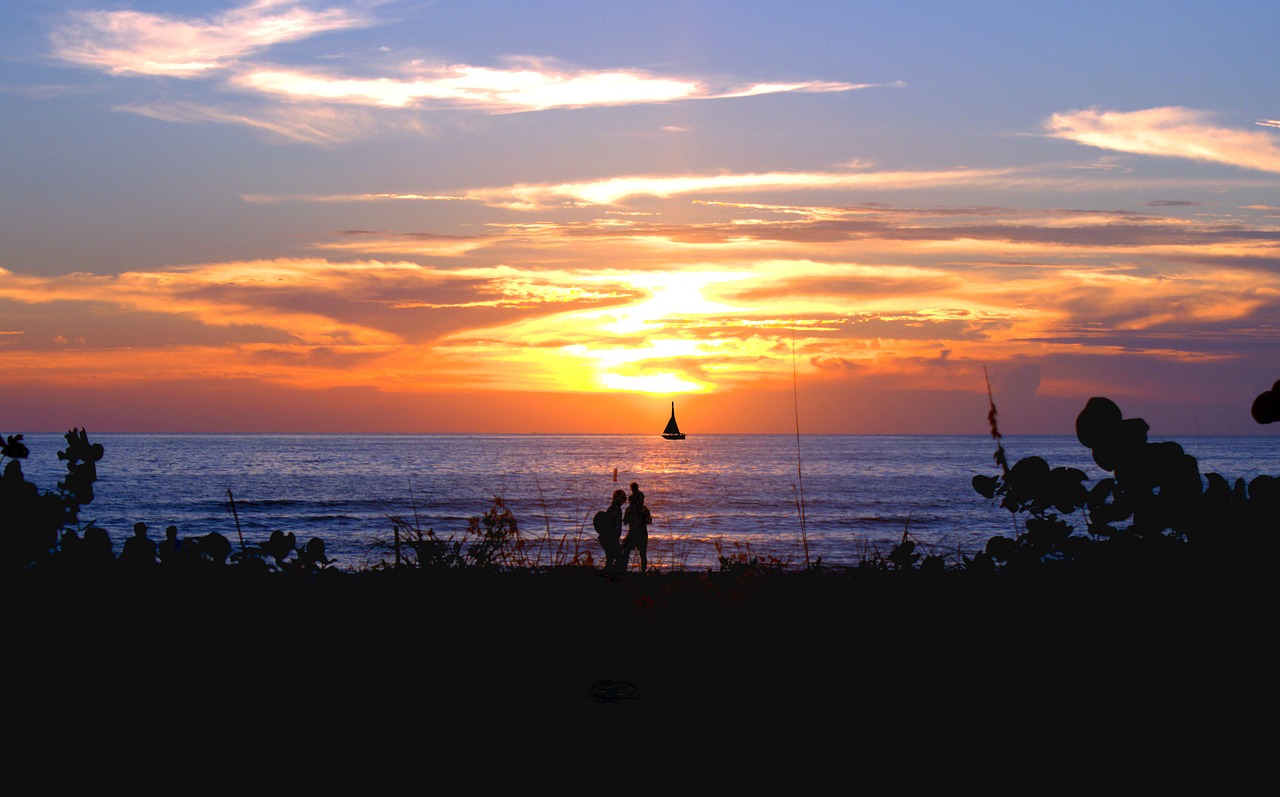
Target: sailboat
[(672, 432)]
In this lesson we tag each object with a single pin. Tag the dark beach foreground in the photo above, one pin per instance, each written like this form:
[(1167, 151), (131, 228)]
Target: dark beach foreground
[(1137, 642), (1166, 649)]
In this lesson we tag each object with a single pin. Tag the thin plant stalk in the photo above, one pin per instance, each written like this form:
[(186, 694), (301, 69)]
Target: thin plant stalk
[(795, 400), (236, 515), (546, 545), (1001, 460)]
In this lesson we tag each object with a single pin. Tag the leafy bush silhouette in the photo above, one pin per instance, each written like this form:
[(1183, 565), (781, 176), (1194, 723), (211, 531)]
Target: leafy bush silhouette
[(492, 541), (421, 550), (31, 519), (1266, 407), (742, 560), (1155, 505)]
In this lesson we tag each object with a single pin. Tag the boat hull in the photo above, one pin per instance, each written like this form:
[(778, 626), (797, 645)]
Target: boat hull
[(676, 436)]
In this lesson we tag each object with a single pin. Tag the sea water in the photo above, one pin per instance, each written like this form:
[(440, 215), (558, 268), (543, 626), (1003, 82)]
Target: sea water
[(841, 498)]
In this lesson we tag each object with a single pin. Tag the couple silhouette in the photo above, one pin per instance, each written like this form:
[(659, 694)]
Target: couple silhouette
[(636, 517)]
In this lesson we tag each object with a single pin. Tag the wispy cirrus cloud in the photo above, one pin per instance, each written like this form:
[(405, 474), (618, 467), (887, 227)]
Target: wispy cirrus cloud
[(612, 191), (1172, 131), (310, 124), (531, 85), (530, 88), (230, 45), (135, 42), (616, 190)]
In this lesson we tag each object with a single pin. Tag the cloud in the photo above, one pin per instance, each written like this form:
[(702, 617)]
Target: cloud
[(309, 124), (317, 302), (410, 243), (1173, 132), (745, 228), (477, 87), (855, 177), (135, 42), (271, 198), (615, 190), (131, 42), (586, 299), (532, 85)]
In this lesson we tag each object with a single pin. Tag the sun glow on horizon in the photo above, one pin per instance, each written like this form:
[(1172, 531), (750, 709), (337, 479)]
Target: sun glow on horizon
[(644, 345)]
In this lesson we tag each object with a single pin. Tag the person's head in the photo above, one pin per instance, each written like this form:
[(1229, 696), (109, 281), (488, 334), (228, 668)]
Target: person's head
[(140, 529), (171, 532), (619, 496), (635, 487)]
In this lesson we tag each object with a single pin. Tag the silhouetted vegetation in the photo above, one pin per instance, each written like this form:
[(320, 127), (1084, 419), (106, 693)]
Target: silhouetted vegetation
[(1155, 508), (1266, 407), (32, 520), (41, 531)]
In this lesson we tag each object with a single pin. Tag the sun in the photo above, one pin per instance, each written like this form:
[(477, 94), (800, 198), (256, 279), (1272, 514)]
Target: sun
[(650, 345), (664, 384), (630, 368), (671, 295)]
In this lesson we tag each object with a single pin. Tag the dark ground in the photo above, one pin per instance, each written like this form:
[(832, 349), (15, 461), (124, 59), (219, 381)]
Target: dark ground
[(379, 683), (580, 640)]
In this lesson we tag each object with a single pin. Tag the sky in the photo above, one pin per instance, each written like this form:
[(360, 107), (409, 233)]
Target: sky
[(824, 217)]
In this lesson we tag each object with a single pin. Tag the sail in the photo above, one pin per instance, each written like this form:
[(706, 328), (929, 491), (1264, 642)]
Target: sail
[(672, 428)]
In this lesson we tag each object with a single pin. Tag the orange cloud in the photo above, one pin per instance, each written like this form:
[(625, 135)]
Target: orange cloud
[(911, 297)]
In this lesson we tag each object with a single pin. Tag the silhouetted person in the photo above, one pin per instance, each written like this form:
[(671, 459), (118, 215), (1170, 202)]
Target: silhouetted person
[(71, 551), (637, 517), (95, 548), (171, 550), (69, 546), (610, 531), (138, 551)]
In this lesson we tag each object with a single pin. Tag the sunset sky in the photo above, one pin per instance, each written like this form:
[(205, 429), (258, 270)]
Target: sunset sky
[(412, 216)]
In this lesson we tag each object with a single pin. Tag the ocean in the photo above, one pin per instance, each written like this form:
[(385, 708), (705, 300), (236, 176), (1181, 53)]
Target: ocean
[(841, 498)]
